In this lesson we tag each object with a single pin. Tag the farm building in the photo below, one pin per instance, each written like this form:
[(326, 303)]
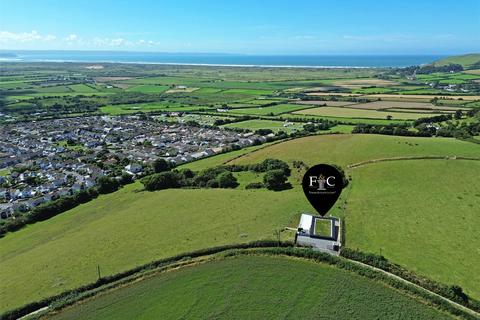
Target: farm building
[(319, 233)]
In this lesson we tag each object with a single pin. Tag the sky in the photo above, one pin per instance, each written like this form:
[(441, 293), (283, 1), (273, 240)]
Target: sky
[(244, 26)]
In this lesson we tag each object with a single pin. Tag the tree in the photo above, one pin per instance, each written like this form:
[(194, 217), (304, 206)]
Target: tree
[(227, 180), (272, 164), (309, 127), (275, 179), (458, 114), (106, 184), (160, 165), (126, 178), (159, 181), (263, 132)]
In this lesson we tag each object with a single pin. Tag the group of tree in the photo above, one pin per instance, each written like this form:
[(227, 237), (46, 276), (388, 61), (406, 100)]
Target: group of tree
[(430, 68), (390, 129), (210, 178), (221, 122), (275, 178), (439, 118)]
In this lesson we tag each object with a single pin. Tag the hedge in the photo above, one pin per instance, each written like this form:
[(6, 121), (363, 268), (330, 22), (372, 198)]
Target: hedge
[(454, 293)]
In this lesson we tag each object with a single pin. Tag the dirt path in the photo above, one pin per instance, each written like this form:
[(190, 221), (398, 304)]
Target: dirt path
[(363, 163)]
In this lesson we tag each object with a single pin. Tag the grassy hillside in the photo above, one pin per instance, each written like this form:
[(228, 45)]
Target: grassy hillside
[(466, 60), (129, 227), (254, 287), (422, 214), (122, 230), (347, 149)]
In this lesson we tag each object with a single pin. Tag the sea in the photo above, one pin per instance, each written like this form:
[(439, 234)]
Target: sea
[(245, 60)]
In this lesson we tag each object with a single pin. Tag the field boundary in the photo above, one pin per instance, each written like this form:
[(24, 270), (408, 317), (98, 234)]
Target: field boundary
[(70, 297), (373, 161)]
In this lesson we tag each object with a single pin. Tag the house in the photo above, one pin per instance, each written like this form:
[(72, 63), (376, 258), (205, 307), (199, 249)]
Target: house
[(6, 210), (133, 168), (319, 233)]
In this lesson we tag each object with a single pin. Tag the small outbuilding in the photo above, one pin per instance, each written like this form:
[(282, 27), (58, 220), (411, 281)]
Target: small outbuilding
[(319, 233)]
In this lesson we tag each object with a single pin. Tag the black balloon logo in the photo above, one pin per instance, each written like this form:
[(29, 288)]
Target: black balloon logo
[(322, 185)]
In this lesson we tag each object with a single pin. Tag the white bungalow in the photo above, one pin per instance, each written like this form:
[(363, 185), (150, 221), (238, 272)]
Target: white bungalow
[(319, 233)]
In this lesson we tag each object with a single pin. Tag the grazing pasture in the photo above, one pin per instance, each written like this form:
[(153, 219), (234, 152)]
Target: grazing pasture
[(347, 149), (433, 233)]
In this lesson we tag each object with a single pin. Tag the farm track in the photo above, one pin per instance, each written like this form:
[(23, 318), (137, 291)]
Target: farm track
[(364, 163), (457, 305)]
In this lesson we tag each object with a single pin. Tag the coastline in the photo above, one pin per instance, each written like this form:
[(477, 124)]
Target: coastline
[(192, 64)]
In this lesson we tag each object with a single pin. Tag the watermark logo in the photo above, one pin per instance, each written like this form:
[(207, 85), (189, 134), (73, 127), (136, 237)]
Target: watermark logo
[(322, 182), (322, 185)]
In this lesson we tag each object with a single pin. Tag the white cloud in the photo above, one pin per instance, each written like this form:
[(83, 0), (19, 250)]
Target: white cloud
[(6, 36), (118, 42), (71, 37), (34, 40)]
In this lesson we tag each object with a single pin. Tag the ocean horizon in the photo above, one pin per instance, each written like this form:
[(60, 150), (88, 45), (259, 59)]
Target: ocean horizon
[(214, 59)]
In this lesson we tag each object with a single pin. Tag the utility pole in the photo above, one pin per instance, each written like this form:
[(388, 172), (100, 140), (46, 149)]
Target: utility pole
[(98, 271)]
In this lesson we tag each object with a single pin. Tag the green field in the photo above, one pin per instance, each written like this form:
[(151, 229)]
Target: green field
[(341, 128), (273, 110), (148, 89), (147, 107), (124, 229), (465, 60), (254, 287), (308, 117), (362, 113), (434, 232), (348, 149), (83, 88), (265, 124), (127, 228)]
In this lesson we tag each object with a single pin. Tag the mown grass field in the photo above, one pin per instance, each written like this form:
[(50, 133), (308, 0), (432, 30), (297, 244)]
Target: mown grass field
[(265, 124), (308, 117), (127, 228), (146, 107), (273, 110), (148, 89), (379, 105), (361, 113), (254, 287)]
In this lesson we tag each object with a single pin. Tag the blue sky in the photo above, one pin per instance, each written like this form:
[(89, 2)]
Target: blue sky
[(249, 26)]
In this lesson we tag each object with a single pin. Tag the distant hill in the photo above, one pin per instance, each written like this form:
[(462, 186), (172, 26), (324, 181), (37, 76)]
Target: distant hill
[(468, 61)]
